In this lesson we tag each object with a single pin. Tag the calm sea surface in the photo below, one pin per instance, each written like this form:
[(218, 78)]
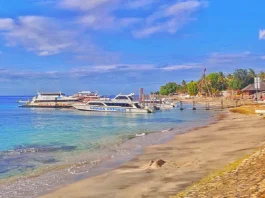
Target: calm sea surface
[(34, 138)]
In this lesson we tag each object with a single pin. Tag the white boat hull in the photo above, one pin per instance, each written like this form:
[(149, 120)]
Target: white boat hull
[(110, 109)]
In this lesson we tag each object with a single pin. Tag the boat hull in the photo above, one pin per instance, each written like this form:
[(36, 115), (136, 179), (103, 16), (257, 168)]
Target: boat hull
[(46, 106), (110, 109)]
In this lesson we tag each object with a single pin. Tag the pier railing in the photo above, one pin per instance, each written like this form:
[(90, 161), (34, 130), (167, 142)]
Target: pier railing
[(217, 105)]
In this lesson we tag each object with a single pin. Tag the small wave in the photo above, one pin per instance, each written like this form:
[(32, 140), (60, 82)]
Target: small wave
[(167, 130), (140, 134), (37, 148), (83, 167)]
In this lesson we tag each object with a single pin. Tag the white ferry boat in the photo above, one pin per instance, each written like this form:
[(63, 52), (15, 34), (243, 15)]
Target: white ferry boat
[(121, 103), (51, 100)]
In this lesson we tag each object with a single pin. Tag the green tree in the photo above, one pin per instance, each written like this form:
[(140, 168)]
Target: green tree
[(222, 80), (262, 75), (192, 88), (213, 80), (244, 77), (217, 82), (234, 84), (169, 88), (163, 90), (252, 73), (184, 86)]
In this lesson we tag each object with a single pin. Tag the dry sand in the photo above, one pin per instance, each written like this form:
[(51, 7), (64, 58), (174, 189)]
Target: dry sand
[(186, 159)]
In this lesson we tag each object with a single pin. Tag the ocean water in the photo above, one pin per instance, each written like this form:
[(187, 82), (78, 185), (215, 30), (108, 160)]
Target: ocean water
[(32, 139)]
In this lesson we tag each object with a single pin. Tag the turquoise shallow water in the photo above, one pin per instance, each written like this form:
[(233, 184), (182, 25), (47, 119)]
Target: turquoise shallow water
[(35, 138)]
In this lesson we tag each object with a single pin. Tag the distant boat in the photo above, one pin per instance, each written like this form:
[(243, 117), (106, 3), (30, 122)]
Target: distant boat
[(121, 103), (85, 96), (159, 103), (51, 100)]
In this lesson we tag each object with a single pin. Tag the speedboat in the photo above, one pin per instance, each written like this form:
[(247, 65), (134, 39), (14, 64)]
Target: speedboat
[(121, 103)]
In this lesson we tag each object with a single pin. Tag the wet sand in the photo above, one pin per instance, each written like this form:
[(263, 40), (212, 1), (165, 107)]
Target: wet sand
[(188, 157)]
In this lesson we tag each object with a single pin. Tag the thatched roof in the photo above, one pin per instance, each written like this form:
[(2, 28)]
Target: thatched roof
[(251, 87)]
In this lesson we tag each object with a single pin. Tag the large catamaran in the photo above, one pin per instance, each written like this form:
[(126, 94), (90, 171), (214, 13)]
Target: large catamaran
[(51, 100), (121, 103)]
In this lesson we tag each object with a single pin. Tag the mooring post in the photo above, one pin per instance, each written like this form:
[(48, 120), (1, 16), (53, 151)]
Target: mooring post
[(193, 105), (207, 106), (222, 104), (181, 106)]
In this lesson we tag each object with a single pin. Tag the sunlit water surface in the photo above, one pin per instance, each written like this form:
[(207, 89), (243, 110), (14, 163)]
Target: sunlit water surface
[(31, 139)]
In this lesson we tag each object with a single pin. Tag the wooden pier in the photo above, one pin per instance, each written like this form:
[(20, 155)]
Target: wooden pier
[(207, 105)]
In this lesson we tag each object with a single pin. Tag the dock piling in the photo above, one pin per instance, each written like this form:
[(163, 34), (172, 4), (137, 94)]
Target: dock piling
[(193, 105), (207, 106), (181, 105)]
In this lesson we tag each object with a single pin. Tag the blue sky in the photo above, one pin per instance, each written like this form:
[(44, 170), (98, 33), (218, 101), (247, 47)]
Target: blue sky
[(120, 45)]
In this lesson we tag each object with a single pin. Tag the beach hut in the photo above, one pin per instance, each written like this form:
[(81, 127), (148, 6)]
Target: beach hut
[(250, 89)]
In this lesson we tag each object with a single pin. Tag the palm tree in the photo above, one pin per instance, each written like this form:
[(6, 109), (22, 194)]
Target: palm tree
[(222, 80), (184, 86), (262, 75), (252, 73)]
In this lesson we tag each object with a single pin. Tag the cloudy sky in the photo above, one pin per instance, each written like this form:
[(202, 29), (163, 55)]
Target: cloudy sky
[(115, 46)]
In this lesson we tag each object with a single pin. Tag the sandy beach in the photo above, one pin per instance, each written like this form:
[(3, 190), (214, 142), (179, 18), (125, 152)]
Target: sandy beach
[(184, 160)]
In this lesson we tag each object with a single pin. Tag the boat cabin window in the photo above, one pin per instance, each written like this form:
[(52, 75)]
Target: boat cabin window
[(52, 94), (118, 104), (96, 103), (131, 98), (137, 105), (121, 98)]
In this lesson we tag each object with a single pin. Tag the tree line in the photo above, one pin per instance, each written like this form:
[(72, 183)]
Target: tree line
[(213, 83)]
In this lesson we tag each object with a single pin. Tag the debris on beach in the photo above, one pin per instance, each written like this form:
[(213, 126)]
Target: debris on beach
[(156, 164), (166, 130)]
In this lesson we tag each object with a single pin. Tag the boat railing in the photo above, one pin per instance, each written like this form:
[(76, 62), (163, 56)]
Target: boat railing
[(104, 99)]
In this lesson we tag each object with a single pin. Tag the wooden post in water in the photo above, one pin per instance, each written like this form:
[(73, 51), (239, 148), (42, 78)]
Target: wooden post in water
[(193, 105), (207, 106), (181, 105)]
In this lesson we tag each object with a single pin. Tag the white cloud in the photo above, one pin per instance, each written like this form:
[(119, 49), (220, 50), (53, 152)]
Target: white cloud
[(170, 18), (135, 4), (48, 36), (90, 5), (6, 24), (181, 67), (83, 5), (185, 6), (39, 35), (166, 17), (220, 58), (77, 72), (115, 67), (134, 67), (261, 34)]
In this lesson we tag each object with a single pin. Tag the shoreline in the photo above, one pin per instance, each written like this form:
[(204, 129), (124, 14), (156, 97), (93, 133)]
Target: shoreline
[(188, 157), (61, 175)]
